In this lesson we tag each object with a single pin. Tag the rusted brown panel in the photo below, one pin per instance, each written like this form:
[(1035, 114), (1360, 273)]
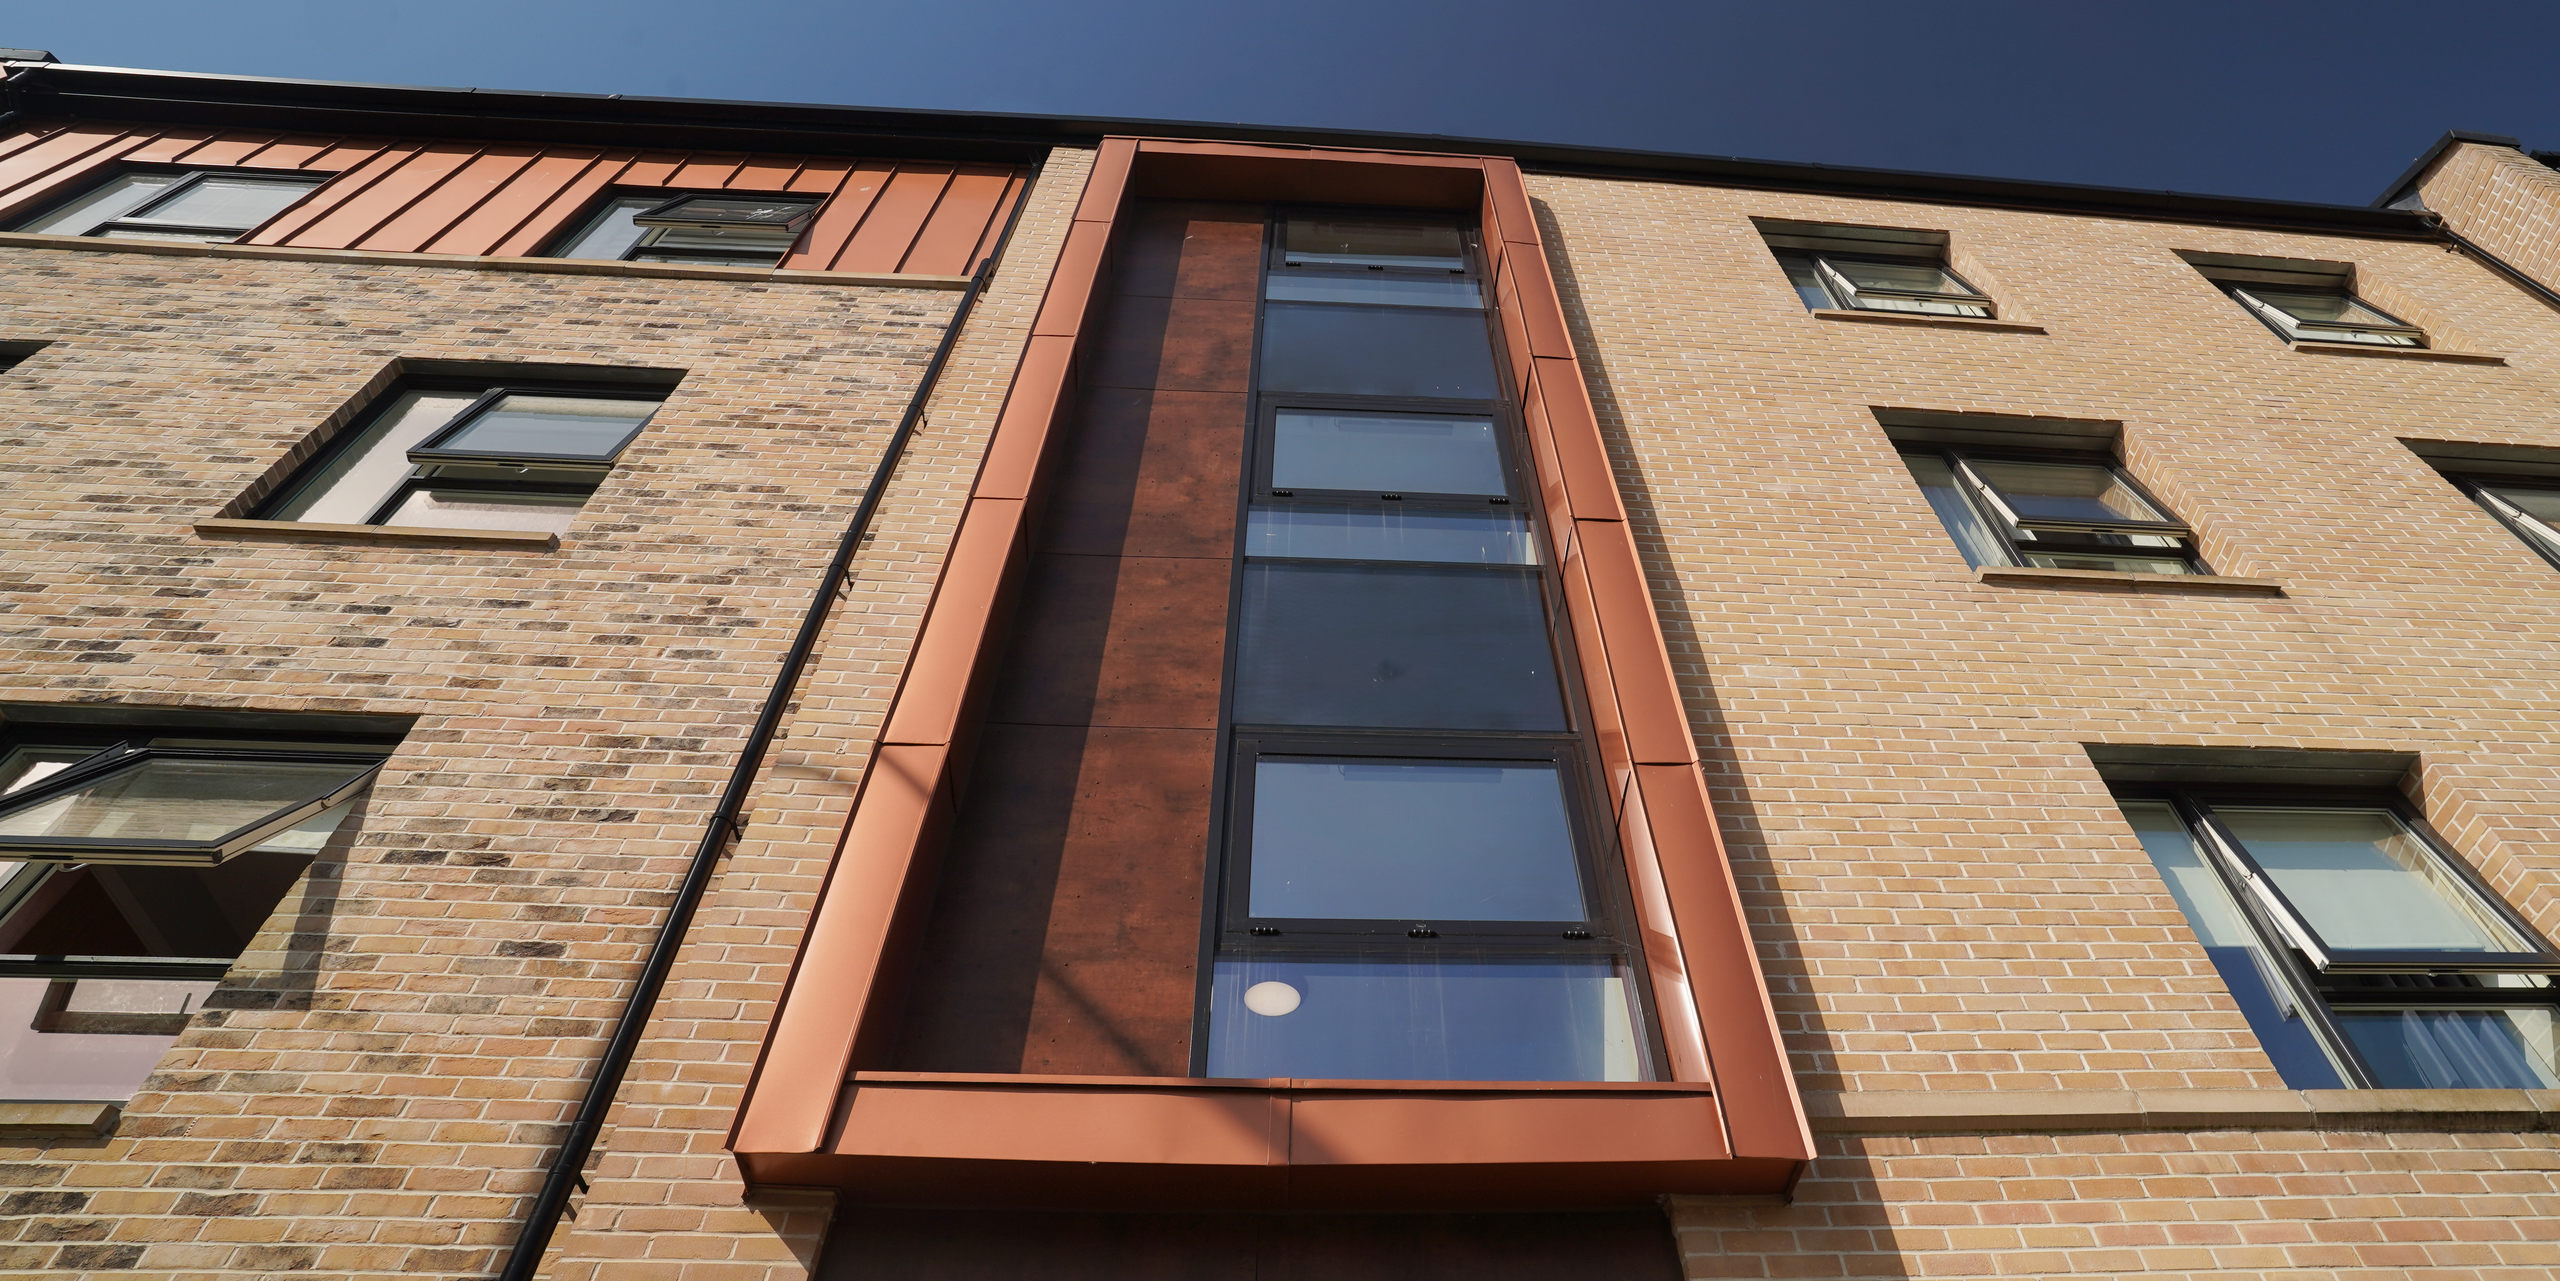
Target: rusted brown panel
[(452, 200), (706, 171), (895, 218), (162, 146), (231, 147), (959, 222), (1243, 171), (992, 238), (1117, 640), (792, 1098), (1150, 473), (1029, 1123), (841, 216), (1761, 1109), (347, 188), (1176, 344), (1192, 249), (653, 170), (565, 208), (1596, 1129), (819, 177), (963, 1245), (291, 152), (55, 167), (384, 199), (515, 203), (765, 173), (1062, 935)]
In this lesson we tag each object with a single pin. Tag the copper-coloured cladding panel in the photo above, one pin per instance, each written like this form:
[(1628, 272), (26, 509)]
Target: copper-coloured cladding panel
[(1175, 344), (908, 1244), (1150, 473), (931, 699), (1079, 277), (1063, 930), (1649, 702), (1507, 199), (1526, 276), (1192, 249), (1117, 640), (1027, 434), (1581, 452), (1243, 171)]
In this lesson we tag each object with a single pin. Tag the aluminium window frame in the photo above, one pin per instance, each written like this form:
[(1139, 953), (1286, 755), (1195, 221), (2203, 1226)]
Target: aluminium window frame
[(191, 177), (2318, 991), (124, 757), (2293, 329), (671, 196), (1598, 854), (488, 392), (1984, 500), (1845, 294), (2531, 530)]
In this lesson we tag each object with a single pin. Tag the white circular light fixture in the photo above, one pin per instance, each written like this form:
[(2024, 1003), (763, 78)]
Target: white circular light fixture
[(1273, 998)]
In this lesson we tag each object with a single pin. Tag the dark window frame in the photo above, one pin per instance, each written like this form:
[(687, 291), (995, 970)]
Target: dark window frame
[(1598, 857), (669, 197), (2367, 978), (2515, 520), (1817, 259), (581, 475), (2233, 289), (191, 176), (2079, 537)]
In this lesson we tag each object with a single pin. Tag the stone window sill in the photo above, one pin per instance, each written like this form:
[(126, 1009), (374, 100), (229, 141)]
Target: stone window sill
[(307, 531), (2397, 353), (2031, 576), (45, 1119), (1936, 322), (556, 266)]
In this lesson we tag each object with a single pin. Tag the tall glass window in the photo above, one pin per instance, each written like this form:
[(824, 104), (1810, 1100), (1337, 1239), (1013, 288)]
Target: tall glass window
[(1414, 885)]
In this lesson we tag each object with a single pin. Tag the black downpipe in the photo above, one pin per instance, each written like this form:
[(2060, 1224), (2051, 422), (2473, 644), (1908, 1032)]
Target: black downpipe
[(526, 1256), (2493, 262)]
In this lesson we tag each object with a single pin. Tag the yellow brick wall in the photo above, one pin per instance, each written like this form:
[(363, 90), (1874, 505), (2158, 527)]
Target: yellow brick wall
[(2501, 199)]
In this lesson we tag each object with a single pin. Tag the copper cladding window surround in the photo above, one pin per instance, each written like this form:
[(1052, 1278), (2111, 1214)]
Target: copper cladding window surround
[(509, 200), (1727, 1121)]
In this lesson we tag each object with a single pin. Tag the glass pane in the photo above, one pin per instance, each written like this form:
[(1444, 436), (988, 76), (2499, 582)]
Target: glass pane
[(1374, 244), (111, 199), (2065, 491), (1386, 453), (1974, 538), (1389, 532), (310, 835), (2541, 504), (1914, 277), (1808, 283), (106, 909), (1377, 351), (2286, 307), (362, 471), (143, 231), (750, 240), (227, 201), (28, 765), (744, 210), (2248, 970), (1452, 1018), (482, 509), (612, 234), (1422, 841), (2456, 1049), (2117, 564), (2362, 880), (178, 800), (1381, 290), (551, 426), (1411, 647), (36, 1064)]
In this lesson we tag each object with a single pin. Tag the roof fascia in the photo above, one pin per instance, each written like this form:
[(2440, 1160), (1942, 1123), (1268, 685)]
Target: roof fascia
[(2409, 176)]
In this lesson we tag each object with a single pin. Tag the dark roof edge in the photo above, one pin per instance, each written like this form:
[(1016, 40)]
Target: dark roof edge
[(2409, 176), (322, 105)]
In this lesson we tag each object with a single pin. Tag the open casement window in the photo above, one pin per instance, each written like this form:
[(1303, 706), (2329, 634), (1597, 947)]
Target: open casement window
[(202, 205), (134, 870), (470, 456), (1413, 887), (712, 228), (2528, 507), (2051, 511), (1849, 268), (2305, 301), (2362, 952)]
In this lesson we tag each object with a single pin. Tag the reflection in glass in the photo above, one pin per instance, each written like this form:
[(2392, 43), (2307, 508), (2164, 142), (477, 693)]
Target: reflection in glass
[(1377, 351), (2457, 1048), (1414, 841), (1427, 1016), (592, 428), (1379, 291), (179, 799), (2362, 880), (2533, 513), (1353, 242), (1321, 531), (2065, 491), (443, 508), (112, 199), (1807, 281), (1863, 277), (1395, 646), (612, 233), (223, 200), (1938, 484), (2118, 564), (2541, 504), (359, 476), (2322, 316), (1386, 453), (2247, 969)]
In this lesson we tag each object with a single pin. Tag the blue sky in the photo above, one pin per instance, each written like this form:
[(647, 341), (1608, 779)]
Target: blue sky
[(2303, 101)]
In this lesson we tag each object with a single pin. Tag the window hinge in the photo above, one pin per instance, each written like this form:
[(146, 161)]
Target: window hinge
[(1422, 932)]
